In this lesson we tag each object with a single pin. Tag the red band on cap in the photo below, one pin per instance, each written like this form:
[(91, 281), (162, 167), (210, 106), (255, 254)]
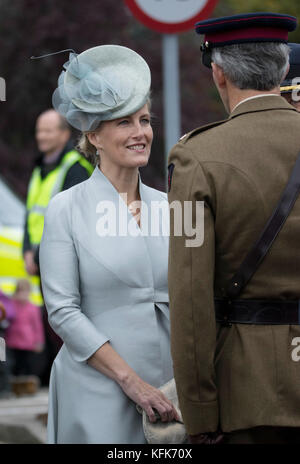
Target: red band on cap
[(251, 33), (247, 18)]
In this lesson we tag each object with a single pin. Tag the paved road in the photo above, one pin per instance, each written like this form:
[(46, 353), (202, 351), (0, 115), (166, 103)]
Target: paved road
[(22, 419)]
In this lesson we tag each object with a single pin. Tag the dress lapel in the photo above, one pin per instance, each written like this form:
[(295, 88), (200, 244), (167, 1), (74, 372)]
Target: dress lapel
[(102, 208)]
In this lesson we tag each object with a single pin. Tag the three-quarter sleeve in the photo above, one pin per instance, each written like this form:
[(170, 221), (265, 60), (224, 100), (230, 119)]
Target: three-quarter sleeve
[(60, 282)]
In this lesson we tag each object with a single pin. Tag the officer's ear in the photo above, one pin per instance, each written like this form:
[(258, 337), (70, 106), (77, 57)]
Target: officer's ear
[(218, 75)]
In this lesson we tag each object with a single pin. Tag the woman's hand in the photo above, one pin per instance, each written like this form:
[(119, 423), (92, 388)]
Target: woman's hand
[(107, 361), (149, 398)]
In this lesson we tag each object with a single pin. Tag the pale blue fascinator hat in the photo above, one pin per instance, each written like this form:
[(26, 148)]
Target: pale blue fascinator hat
[(100, 84)]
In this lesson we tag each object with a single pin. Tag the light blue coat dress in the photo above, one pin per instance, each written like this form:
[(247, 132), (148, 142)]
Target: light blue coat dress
[(99, 288)]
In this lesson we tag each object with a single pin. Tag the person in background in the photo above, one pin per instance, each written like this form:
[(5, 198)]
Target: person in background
[(289, 88), (58, 168), (2, 312), (24, 337)]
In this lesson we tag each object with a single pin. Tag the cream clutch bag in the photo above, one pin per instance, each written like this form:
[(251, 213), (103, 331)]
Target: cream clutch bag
[(165, 432)]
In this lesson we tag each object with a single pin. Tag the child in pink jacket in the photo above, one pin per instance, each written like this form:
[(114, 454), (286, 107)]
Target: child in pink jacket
[(25, 334)]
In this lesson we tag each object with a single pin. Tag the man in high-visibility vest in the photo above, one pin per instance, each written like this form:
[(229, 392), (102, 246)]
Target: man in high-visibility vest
[(58, 168)]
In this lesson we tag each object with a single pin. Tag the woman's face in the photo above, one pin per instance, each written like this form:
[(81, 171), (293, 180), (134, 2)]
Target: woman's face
[(126, 142)]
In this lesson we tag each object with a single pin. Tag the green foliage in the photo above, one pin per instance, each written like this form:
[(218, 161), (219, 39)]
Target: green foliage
[(291, 7)]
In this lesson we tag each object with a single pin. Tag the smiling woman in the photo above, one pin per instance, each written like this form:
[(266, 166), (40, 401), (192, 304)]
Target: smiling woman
[(90, 150), (107, 296), (118, 140)]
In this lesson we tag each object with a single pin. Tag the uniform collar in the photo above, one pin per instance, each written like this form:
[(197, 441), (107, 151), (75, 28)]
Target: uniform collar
[(253, 97), (264, 103)]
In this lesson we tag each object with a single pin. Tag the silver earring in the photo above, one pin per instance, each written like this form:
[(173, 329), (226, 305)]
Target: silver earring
[(97, 153)]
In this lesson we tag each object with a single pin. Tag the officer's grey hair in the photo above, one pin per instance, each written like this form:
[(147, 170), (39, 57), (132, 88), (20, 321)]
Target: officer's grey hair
[(256, 66)]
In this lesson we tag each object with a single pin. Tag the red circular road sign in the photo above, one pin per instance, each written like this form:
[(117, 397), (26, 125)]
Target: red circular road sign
[(171, 16)]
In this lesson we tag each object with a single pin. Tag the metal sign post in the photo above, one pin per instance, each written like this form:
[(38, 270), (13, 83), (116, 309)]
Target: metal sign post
[(171, 17)]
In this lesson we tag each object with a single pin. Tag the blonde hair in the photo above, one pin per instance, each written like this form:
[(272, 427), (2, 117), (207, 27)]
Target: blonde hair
[(88, 149)]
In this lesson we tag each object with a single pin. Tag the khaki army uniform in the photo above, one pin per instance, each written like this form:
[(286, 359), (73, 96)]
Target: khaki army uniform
[(242, 376)]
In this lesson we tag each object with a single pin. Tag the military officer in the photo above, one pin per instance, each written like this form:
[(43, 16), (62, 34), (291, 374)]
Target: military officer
[(234, 357), (290, 88)]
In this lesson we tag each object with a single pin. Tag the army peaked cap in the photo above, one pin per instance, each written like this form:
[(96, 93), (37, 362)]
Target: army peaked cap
[(244, 28)]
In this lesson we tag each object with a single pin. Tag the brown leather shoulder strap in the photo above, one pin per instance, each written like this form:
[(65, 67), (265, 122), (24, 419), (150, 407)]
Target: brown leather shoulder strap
[(268, 235)]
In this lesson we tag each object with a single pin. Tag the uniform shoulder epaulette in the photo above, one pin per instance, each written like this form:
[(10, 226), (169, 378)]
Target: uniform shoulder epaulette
[(197, 131)]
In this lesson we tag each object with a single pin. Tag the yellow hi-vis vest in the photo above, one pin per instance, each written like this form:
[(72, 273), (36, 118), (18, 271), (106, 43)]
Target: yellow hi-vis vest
[(40, 192), (12, 266)]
